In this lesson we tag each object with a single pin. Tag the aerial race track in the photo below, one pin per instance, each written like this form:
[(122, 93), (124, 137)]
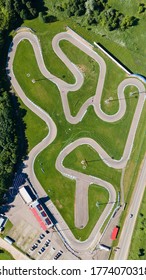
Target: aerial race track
[(82, 181)]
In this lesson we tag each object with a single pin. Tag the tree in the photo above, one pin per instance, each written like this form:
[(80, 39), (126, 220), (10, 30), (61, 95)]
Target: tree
[(17, 6), (28, 5), (90, 6), (75, 7), (144, 222), (127, 22), (141, 8), (91, 19), (33, 12), (1, 251), (111, 18), (141, 214), (141, 252), (81, 10), (23, 14), (49, 18), (8, 5)]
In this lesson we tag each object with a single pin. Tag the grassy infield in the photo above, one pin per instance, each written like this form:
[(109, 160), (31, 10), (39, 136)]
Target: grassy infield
[(111, 137)]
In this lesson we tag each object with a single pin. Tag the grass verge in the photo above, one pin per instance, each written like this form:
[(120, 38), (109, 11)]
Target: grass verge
[(138, 244)]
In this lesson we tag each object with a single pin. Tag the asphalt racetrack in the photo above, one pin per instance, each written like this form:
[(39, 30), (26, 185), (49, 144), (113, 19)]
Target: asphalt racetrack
[(82, 181)]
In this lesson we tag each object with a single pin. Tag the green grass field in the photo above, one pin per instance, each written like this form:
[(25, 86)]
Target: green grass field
[(90, 70), (42, 90), (45, 33), (36, 129), (96, 194), (111, 137)]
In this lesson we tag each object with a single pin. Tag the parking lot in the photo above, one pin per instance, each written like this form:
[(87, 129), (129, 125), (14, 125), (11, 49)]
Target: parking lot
[(31, 238), (39, 244), (46, 246)]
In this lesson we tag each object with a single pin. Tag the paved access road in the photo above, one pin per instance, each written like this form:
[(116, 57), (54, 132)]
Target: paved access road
[(17, 255), (81, 210)]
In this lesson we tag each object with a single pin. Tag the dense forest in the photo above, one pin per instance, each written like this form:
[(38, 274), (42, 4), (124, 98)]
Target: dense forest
[(12, 14), (97, 11), (8, 142), (13, 11)]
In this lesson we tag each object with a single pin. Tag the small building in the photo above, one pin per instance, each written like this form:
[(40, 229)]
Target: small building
[(27, 194), (9, 240), (104, 247)]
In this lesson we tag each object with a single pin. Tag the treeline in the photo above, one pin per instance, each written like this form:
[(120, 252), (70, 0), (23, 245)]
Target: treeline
[(8, 142), (97, 12), (12, 14)]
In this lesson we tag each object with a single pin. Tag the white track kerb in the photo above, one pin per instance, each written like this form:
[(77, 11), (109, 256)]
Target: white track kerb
[(82, 181)]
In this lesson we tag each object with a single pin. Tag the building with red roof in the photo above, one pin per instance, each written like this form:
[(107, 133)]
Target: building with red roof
[(41, 215)]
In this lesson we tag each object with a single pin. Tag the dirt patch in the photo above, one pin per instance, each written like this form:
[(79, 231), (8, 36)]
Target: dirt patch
[(82, 68), (24, 235), (59, 205)]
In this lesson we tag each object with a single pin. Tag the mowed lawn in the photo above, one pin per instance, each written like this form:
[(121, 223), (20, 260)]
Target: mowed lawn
[(111, 137), (46, 33), (36, 129), (93, 165), (97, 198), (90, 70)]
